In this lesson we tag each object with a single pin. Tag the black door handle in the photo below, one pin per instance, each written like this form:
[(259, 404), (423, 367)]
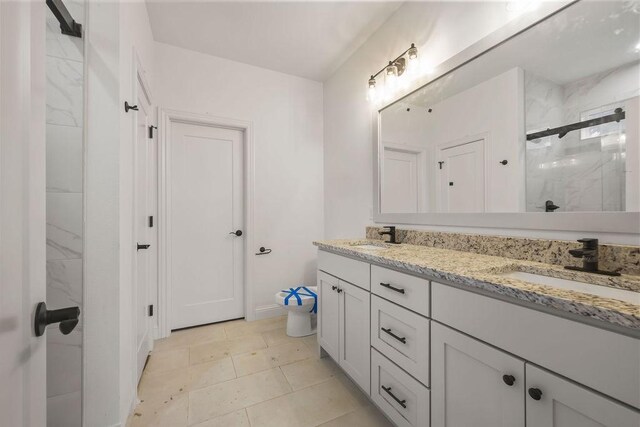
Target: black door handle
[(403, 340), (237, 233), (67, 317), (388, 286), (263, 251), (402, 402), (142, 247)]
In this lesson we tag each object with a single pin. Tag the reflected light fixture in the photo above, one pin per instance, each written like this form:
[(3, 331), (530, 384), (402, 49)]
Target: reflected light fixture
[(393, 71)]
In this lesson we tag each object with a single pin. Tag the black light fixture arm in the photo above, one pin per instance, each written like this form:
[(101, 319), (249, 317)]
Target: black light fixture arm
[(413, 46), (68, 25)]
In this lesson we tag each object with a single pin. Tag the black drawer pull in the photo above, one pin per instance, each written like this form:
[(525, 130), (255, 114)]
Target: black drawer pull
[(334, 287), (403, 340), (388, 286), (402, 403)]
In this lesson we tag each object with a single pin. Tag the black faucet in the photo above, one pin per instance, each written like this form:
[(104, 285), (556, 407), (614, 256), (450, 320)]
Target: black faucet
[(391, 232), (589, 255)]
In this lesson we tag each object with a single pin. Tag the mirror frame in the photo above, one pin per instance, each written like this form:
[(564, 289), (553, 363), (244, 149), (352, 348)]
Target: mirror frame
[(603, 222)]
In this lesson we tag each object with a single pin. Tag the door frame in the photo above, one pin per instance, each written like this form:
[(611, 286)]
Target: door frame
[(167, 117), (139, 81)]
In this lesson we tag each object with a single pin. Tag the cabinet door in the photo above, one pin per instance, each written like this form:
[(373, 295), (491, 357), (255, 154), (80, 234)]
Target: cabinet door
[(555, 402), (473, 384), (328, 318), (354, 334)]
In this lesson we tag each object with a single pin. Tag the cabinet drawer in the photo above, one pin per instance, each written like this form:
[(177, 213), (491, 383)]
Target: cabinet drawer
[(402, 336), (347, 269), (602, 360), (408, 291), (402, 398)]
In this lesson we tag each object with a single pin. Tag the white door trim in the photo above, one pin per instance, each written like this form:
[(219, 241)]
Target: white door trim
[(168, 116)]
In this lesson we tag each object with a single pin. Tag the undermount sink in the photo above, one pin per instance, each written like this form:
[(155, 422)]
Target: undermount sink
[(572, 285), (370, 247)]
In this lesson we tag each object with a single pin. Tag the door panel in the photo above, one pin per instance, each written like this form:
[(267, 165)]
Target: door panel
[(354, 334), (400, 182), (206, 207), (143, 188), (462, 178), (565, 404), (328, 327), (468, 388)]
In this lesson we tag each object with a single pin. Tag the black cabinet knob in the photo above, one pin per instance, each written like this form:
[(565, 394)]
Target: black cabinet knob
[(535, 393), (237, 233), (333, 288), (339, 290), (509, 379)]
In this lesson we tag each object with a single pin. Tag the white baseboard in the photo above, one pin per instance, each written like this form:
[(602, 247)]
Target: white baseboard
[(270, 310)]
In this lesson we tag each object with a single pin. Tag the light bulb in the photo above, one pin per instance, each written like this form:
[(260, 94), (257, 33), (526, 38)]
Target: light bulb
[(412, 53), (392, 70), (372, 89)]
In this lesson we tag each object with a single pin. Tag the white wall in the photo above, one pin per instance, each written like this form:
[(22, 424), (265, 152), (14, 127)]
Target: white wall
[(286, 115), (440, 31), (113, 31)]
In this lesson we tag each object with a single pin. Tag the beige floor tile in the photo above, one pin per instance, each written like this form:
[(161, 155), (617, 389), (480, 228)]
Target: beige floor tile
[(238, 329), (169, 360), (236, 394), (312, 342), (162, 385), (234, 419), (192, 336), (260, 360), (210, 373), (279, 336), (365, 416), (307, 407), (310, 372), (171, 412), (221, 349)]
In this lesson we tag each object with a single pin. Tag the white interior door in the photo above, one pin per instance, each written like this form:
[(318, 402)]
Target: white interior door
[(400, 183), (206, 209), (461, 178), (22, 213), (145, 166)]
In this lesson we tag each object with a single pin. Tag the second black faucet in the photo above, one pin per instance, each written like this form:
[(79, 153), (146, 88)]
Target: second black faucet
[(391, 231)]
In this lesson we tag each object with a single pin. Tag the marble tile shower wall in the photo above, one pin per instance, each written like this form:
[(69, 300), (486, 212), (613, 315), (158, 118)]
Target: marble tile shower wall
[(64, 141), (625, 259), (576, 174)]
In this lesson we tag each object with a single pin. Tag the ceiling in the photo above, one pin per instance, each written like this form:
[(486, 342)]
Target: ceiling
[(310, 39)]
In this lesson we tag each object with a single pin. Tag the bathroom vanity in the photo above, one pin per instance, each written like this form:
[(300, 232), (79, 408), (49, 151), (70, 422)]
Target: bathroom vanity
[(438, 337)]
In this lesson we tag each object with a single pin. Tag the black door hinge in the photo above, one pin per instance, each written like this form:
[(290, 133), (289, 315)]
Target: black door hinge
[(151, 221), (150, 310), (151, 128)]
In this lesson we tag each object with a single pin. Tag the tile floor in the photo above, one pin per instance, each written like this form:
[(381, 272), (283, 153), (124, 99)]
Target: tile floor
[(247, 374)]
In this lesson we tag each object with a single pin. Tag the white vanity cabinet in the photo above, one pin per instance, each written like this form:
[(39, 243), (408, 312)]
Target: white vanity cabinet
[(343, 323), (474, 384), (553, 401), (437, 355)]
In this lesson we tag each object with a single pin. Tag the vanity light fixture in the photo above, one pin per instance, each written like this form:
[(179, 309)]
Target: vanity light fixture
[(394, 70)]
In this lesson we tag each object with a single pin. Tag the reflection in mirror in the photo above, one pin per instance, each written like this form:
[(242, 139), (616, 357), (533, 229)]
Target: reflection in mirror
[(546, 122)]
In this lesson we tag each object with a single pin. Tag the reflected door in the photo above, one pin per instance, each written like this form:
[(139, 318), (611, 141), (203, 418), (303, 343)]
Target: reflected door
[(461, 178)]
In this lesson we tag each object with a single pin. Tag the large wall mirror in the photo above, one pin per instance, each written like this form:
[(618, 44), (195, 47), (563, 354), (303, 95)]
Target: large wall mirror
[(546, 122)]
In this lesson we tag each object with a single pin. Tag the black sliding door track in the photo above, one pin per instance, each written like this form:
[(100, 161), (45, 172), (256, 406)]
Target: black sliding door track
[(68, 25)]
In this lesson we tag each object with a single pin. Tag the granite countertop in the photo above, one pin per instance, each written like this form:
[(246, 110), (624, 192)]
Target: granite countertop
[(483, 272)]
